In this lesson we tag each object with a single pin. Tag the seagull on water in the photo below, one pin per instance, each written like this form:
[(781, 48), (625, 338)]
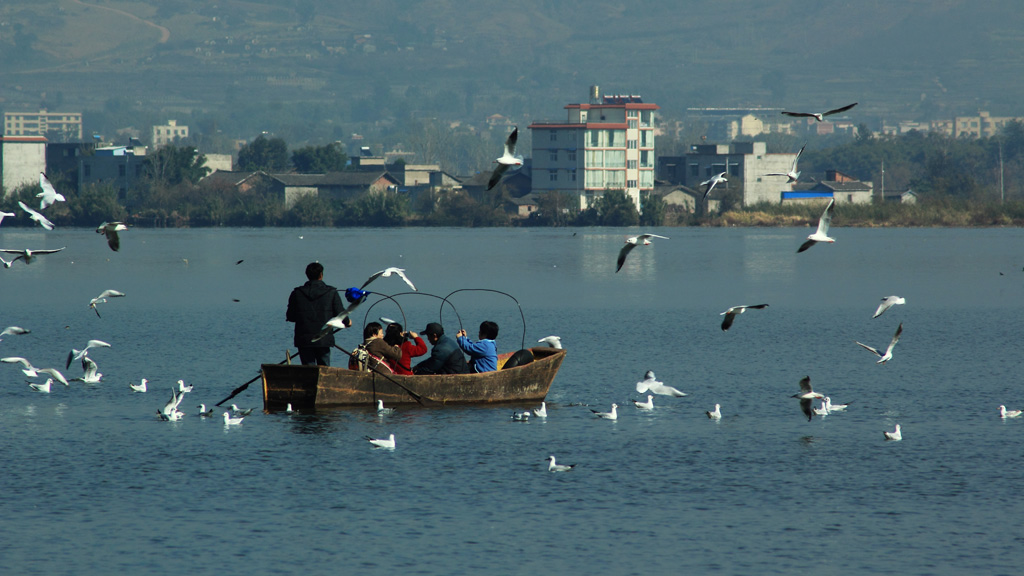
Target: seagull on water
[(1004, 413), (91, 375), (14, 331), (185, 389), (44, 387), (552, 342), (715, 414), (140, 387), (711, 183), (39, 218), (607, 415), (26, 366), (541, 412), (288, 408), (649, 405), (521, 416), (28, 255), (793, 175), (894, 435), (821, 234), (388, 442), (204, 413), (507, 160), (170, 410), (381, 409), (888, 302), (631, 243), (652, 385), (76, 354), (807, 395), (883, 358), (553, 467), (231, 421), (241, 412), (823, 411), (819, 116), (103, 298), (731, 314), (49, 194), (110, 230), (834, 407), (386, 273)]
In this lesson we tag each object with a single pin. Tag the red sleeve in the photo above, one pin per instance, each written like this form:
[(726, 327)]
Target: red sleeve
[(419, 348)]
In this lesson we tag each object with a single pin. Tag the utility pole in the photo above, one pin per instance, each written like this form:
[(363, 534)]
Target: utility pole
[(1002, 191)]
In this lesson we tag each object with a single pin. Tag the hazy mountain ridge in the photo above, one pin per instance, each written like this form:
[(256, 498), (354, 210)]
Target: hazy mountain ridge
[(529, 58)]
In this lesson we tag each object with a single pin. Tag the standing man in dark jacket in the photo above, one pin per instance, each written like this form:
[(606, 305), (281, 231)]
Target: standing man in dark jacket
[(310, 306), (445, 358)]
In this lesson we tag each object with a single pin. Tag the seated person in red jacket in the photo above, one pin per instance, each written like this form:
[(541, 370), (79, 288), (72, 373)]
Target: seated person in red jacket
[(410, 348)]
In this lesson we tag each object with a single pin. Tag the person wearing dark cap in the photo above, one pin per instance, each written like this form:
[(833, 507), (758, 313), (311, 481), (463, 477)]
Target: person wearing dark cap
[(445, 357), (310, 306)]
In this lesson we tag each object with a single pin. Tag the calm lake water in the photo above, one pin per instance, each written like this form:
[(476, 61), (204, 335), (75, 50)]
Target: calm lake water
[(94, 483)]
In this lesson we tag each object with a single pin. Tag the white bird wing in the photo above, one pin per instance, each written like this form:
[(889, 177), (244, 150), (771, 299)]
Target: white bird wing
[(826, 218), (401, 274), (797, 159), (646, 236), (18, 360), (109, 294), (499, 171), (89, 367), (55, 373), (895, 339), (622, 255), (885, 305), (49, 194), (805, 385), (869, 348), (36, 216), (97, 344), (838, 110), (510, 142)]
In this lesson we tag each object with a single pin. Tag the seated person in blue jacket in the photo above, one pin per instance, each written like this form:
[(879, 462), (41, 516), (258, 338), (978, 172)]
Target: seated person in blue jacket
[(483, 354)]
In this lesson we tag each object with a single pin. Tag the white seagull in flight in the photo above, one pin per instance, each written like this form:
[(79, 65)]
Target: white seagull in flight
[(507, 159), (103, 298), (26, 367), (731, 314), (91, 375), (888, 302), (883, 358), (821, 234), (76, 354), (712, 182), (49, 195), (14, 331), (5, 214), (9, 263), (386, 273), (28, 254), (651, 384), (552, 342), (110, 230), (631, 243), (553, 467), (793, 175), (819, 116), (807, 395), (39, 218)]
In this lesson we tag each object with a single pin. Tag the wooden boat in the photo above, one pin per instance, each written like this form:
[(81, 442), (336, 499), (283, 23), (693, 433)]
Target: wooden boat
[(320, 386)]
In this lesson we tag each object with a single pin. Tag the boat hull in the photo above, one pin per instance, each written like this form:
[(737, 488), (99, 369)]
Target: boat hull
[(306, 386)]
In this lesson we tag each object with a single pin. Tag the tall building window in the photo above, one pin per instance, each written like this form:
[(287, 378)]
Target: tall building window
[(572, 175), (553, 176), (554, 135), (633, 124), (646, 139), (554, 156), (572, 155), (631, 113), (630, 183), (645, 159), (645, 118), (631, 164), (632, 145)]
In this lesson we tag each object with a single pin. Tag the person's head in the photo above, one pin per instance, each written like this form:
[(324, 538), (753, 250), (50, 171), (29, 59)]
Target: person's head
[(315, 271), (433, 332), (393, 334), (488, 330), (372, 330)]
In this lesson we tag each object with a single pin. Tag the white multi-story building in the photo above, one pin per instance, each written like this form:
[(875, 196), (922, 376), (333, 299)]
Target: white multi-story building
[(607, 144), (168, 134), (60, 126), (743, 162)]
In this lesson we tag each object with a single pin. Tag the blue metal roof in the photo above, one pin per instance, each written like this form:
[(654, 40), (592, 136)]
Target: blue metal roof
[(805, 194)]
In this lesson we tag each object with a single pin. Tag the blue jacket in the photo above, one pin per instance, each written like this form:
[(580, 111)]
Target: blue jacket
[(483, 354), (445, 358)]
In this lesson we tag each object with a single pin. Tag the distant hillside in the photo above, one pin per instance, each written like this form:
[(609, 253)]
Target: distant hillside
[(375, 59)]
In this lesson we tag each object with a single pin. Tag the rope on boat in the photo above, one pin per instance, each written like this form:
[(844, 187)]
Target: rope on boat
[(521, 315)]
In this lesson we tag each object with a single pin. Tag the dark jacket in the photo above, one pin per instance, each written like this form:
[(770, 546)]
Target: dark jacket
[(310, 306), (445, 358)]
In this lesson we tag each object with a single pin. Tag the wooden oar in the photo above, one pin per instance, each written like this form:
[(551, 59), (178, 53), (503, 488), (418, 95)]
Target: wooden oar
[(242, 388), (422, 400)]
